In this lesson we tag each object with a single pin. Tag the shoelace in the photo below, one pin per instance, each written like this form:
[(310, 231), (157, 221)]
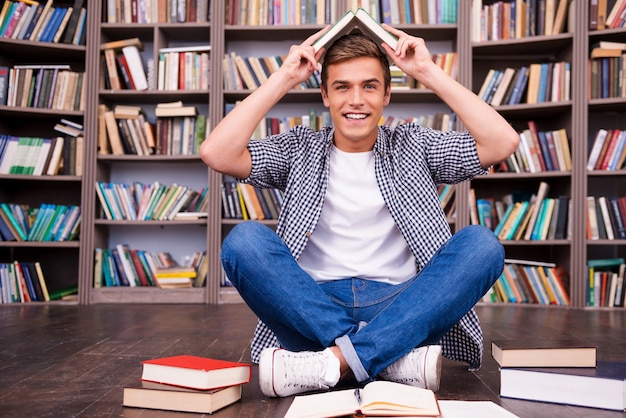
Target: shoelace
[(404, 370), (306, 371)]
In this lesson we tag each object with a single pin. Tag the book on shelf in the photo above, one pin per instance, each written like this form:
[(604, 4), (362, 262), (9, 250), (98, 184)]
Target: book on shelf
[(152, 395), (601, 387), (378, 398), (350, 21), (119, 44), (196, 372), (605, 277), (543, 353), (174, 109), (133, 60)]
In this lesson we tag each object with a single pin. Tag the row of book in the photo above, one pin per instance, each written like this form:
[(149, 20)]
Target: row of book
[(606, 79), (22, 282), (606, 217), (41, 156), (48, 222), (178, 68), (124, 266), (47, 86), (536, 83), (151, 201), (523, 215), (155, 11), (514, 19), (244, 201), (125, 129), (539, 151), (43, 22), (608, 150), (323, 12), (605, 282), (184, 68), (531, 282), (607, 14), (241, 73)]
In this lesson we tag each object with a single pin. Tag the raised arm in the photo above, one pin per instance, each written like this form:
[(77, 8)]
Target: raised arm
[(225, 149), (495, 139)]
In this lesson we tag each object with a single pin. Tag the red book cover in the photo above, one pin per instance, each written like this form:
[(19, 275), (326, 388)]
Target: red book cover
[(196, 372)]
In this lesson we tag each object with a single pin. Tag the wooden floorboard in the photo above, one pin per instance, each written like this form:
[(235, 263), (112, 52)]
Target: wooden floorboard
[(74, 361)]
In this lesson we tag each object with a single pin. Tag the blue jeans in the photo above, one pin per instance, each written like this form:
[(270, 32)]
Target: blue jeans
[(374, 324)]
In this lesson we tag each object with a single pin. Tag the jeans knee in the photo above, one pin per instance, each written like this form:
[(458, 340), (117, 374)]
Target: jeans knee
[(240, 237), (489, 248)]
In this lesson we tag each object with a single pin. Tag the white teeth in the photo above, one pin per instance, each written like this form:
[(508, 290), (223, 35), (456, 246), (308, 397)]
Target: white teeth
[(356, 116)]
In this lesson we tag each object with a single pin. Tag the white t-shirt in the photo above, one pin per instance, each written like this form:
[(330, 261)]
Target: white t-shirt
[(356, 235)]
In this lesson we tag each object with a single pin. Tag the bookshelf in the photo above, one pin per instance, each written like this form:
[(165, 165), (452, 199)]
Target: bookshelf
[(62, 262), (171, 162), (580, 116)]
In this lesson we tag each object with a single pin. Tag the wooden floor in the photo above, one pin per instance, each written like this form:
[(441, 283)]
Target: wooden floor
[(68, 360)]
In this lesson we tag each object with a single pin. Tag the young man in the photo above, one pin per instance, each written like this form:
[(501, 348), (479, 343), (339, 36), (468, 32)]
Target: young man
[(362, 279)]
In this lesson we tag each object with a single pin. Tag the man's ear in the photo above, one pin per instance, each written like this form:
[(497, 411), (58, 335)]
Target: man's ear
[(324, 96), (387, 98)]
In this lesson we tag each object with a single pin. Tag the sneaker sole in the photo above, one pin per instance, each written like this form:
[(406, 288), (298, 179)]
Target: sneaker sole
[(433, 362), (266, 372)]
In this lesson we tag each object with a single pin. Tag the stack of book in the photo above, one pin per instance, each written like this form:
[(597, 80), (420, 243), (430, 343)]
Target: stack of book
[(559, 371), (188, 383), (175, 277)]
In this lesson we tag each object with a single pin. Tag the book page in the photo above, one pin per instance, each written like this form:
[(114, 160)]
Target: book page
[(390, 396), (473, 409), (327, 404)]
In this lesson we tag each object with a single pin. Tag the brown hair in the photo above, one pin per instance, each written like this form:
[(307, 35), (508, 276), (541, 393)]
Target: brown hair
[(352, 46)]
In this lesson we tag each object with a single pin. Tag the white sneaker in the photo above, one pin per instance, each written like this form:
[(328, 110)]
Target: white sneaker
[(285, 373), (421, 367)]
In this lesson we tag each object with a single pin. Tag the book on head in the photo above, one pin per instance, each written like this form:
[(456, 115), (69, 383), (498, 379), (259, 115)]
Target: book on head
[(152, 395), (378, 398), (600, 387), (350, 21), (196, 372), (543, 353)]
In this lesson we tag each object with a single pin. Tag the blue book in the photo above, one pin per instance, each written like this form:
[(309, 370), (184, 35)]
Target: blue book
[(30, 287), (119, 268), (5, 231), (500, 225), (541, 218), (545, 150), (45, 30), (520, 87), (33, 22)]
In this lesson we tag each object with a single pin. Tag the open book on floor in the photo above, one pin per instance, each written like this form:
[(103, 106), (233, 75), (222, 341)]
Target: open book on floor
[(350, 21), (379, 398)]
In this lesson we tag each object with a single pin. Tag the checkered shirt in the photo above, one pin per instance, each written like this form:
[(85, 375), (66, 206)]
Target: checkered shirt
[(409, 162)]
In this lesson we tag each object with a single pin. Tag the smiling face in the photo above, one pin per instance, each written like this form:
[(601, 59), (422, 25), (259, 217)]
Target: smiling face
[(355, 94), (355, 87)]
